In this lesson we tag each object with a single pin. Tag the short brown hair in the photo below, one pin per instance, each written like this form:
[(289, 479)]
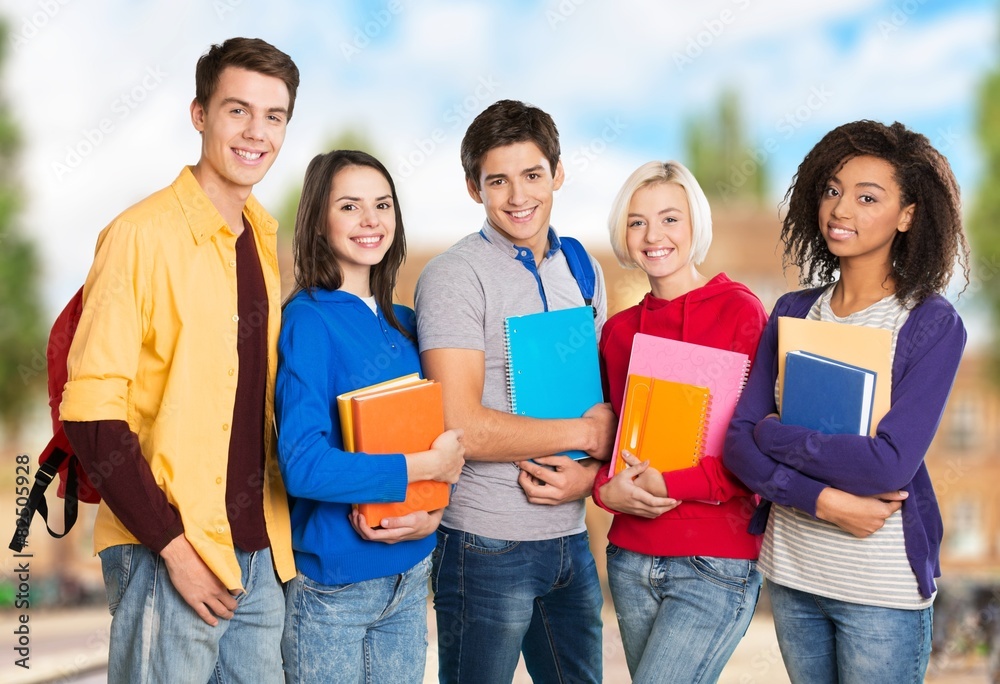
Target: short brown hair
[(252, 54), (504, 123)]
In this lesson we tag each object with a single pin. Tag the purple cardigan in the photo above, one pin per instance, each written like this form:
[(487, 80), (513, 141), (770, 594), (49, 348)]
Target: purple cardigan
[(791, 465)]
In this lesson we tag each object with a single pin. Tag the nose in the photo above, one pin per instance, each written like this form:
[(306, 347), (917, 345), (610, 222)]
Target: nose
[(517, 194), (369, 217), (254, 129)]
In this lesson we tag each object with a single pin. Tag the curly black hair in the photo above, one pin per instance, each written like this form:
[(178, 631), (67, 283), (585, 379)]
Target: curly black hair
[(924, 257)]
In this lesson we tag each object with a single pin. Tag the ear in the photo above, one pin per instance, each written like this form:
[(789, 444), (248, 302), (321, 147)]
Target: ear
[(559, 176), (197, 116), (474, 192), (906, 218)]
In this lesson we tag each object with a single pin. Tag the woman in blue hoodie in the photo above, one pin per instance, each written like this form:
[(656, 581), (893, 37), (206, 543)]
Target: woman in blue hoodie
[(356, 610)]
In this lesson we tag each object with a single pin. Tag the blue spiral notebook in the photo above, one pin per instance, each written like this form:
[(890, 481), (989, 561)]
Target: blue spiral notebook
[(552, 369), (827, 395)]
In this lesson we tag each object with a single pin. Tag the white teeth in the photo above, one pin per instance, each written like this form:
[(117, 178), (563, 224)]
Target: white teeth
[(249, 156), (653, 253), (368, 240), (521, 214)]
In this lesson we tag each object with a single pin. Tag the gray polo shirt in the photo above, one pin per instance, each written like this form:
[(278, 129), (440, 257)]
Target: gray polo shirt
[(462, 299)]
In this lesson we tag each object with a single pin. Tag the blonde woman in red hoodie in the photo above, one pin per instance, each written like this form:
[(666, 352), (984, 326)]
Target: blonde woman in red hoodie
[(682, 571)]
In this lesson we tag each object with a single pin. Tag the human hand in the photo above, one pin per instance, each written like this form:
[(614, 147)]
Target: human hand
[(621, 493), (415, 525), (442, 462), (858, 515), (602, 424), (197, 585), (552, 480), (648, 478)]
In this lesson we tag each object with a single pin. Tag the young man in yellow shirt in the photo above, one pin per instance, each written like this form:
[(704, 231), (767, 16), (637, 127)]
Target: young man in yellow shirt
[(169, 403)]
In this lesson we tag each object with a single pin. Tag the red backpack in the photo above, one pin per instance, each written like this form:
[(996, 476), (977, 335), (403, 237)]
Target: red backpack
[(57, 456)]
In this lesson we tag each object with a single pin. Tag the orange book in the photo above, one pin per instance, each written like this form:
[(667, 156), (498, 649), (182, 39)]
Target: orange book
[(401, 420), (663, 422)]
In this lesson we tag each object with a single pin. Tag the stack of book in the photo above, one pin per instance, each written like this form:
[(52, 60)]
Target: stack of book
[(400, 416)]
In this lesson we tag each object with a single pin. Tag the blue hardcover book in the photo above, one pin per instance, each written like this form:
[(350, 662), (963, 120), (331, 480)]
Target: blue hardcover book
[(552, 369), (827, 395)]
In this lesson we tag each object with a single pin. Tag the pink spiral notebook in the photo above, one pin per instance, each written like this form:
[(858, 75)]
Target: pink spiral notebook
[(724, 372)]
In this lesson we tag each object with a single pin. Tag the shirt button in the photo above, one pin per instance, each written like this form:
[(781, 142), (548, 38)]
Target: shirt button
[(233, 263), (220, 530), (225, 427), (232, 371), (236, 318), (218, 480)]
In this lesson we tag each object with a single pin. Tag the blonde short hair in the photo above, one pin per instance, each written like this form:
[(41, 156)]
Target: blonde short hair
[(652, 173)]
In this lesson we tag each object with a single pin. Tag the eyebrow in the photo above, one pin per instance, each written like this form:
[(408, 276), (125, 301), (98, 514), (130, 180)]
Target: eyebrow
[(863, 184), (358, 199), (661, 212), (247, 105), (534, 169)]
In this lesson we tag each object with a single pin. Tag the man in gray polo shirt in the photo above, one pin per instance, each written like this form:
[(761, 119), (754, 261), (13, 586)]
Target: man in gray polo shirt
[(512, 570)]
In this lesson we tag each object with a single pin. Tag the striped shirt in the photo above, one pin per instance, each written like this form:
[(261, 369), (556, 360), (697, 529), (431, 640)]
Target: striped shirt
[(811, 555)]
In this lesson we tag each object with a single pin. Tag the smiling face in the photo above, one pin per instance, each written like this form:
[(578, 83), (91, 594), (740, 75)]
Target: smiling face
[(361, 224), (658, 235), (861, 212), (516, 185), (242, 127)]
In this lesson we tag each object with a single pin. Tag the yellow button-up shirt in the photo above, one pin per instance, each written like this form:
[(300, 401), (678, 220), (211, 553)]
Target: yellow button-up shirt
[(156, 347)]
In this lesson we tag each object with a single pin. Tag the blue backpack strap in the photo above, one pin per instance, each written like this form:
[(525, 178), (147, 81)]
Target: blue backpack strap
[(580, 267)]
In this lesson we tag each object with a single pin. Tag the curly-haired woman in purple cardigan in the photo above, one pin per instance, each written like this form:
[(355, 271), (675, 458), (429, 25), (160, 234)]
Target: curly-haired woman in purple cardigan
[(851, 545)]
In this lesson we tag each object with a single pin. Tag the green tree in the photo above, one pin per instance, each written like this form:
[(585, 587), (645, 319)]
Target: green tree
[(720, 155), (22, 333), (984, 222)]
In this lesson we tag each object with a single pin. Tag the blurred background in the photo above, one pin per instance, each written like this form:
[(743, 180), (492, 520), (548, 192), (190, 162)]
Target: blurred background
[(94, 116)]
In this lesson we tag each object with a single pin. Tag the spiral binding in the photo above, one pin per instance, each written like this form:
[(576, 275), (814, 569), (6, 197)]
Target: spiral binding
[(706, 413), (510, 366)]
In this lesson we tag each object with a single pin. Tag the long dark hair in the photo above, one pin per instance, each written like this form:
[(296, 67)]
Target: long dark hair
[(924, 257), (316, 264)]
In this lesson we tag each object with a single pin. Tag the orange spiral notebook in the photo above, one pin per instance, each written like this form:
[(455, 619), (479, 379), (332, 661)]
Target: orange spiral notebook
[(393, 418), (664, 422)]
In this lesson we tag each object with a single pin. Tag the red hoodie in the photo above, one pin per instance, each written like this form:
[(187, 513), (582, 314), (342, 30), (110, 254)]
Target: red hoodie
[(723, 314)]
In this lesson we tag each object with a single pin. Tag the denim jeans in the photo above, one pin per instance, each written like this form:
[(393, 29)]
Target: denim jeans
[(824, 640), (369, 631), (680, 618), (496, 599), (157, 637)]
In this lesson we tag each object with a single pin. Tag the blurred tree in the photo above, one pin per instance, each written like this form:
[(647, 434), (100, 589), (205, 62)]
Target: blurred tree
[(22, 332), (720, 156), (984, 223)]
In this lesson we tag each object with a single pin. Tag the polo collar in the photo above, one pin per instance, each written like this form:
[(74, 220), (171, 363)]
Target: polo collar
[(495, 238)]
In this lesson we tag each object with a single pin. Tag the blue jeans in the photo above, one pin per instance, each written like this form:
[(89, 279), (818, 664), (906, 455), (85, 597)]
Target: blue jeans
[(824, 640), (496, 599), (369, 631), (157, 637), (680, 618)]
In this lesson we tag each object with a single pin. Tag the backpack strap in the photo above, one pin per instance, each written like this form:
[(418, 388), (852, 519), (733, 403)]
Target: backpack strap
[(581, 268), (52, 458)]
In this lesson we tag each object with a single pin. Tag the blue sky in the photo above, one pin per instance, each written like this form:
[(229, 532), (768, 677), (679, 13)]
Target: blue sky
[(102, 89)]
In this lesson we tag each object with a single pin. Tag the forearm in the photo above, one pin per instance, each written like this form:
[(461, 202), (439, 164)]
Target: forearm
[(492, 435), (708, 481), (110, 454)]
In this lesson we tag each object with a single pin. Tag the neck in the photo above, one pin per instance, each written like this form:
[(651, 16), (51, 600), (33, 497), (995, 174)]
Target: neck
[(357, 280), (227, 198), (677, 284), (859, 287)]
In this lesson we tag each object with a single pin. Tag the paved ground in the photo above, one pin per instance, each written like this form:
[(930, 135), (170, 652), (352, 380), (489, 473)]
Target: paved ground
[(71, 646)]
